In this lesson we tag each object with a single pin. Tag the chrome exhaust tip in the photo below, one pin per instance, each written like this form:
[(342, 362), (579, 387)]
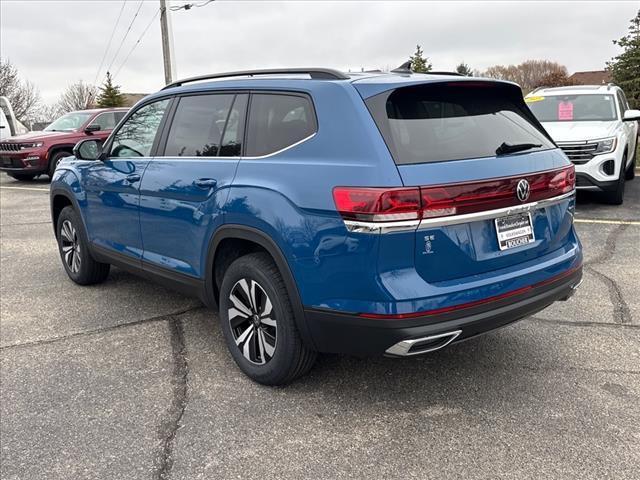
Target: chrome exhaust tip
[(573, 291), (418, 346)]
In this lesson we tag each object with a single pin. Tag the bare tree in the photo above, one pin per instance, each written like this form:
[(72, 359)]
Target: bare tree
[(78, 96), (531, 74), (22, 94), (46, 113)]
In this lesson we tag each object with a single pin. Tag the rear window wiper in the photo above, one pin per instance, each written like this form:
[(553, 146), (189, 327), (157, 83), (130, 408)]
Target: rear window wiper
[(506, 148)]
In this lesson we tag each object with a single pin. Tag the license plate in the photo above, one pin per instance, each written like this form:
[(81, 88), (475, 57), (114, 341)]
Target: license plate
[(514, 231), (5, 161)]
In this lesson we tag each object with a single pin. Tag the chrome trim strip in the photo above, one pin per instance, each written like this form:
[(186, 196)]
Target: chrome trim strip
[(209, 159), (401, 349), (355, 226), (381, 227), (491, 214)]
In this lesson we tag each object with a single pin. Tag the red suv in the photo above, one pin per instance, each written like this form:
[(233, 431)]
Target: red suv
[(25, 156)]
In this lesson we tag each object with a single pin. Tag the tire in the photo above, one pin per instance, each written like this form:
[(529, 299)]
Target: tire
[(22, 177), (55, 160), (276, 354), (616, 196), (74, 250), (630, 174)]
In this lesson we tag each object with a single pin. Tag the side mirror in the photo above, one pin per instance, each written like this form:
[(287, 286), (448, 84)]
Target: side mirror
[(88, 149), (631, 115), (92, 128)]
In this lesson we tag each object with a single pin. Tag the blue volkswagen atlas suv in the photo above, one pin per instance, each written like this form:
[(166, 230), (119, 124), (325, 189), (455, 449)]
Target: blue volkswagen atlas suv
[(318, 211)]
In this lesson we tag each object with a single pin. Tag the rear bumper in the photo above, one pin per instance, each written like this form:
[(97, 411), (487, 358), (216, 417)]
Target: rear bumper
[(337, 332)]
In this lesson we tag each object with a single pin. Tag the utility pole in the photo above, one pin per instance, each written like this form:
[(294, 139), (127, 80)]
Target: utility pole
[(167, 43)]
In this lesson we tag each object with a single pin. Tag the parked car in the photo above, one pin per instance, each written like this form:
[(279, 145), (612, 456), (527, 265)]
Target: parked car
[(369, 214), (595, 127), (26, 156)]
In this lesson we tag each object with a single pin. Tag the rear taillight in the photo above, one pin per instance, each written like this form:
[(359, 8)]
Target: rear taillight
[(397, 204), (378, 204)]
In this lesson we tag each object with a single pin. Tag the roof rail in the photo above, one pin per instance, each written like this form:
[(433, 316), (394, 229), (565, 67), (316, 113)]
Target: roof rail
[(315, 73), (537, 89)]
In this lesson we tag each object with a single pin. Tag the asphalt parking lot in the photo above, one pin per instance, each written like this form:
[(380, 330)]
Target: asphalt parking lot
[(127, 380)]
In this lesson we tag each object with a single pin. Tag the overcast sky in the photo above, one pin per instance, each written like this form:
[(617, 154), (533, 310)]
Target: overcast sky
[(55, 43)]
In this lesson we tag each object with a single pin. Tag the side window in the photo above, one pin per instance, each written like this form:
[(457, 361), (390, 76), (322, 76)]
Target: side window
[(107, 121), (234, 131), (624, 101), (277, 121), (136, 136), (119, 116), (620, 104), (198, 125)]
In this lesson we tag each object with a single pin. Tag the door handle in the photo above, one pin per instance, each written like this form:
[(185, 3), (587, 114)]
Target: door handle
[(134, 177), (206, 183)]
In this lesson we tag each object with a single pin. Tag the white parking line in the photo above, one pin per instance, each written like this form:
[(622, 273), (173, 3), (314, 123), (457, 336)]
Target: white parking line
[(606, 222), (25, 188)]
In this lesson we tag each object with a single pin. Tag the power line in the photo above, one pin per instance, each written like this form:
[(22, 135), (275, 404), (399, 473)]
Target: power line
[(104, 56), (189, 6), (125, 35), (137, 42)]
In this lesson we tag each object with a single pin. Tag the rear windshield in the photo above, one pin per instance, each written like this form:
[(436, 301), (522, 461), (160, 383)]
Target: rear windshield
[(436, 123), (573, 108)]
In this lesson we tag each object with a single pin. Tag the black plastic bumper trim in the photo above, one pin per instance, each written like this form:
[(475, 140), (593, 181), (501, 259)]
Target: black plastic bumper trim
[(336, 332)]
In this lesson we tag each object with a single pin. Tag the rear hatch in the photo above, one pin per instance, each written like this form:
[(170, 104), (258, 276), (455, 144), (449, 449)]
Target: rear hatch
[(494, 190)]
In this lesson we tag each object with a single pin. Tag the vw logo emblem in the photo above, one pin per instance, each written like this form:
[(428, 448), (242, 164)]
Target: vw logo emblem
[(523, 190)]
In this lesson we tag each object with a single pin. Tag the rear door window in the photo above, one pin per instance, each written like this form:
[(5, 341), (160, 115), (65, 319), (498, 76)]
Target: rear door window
[(277, 121), (106, 121), (198, 125), (437, 123)]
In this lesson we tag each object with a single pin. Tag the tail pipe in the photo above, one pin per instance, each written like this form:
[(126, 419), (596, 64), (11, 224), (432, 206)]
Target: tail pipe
[(417, 346)]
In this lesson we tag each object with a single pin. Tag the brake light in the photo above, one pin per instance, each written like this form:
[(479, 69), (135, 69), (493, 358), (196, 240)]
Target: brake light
[(378, 204), (396, 204)]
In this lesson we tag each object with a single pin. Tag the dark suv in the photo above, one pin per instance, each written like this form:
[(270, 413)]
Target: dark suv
[(370, 214), (24, 157)]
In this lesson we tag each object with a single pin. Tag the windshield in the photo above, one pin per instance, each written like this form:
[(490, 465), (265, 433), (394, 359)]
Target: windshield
[(439, 123), (69, 122), (573, 108)]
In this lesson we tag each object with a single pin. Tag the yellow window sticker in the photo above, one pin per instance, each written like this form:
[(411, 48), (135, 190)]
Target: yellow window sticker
[(533, 99)]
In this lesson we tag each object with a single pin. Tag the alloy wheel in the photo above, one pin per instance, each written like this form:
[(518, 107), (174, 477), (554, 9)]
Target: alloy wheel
[(70, 246), (252, 320)]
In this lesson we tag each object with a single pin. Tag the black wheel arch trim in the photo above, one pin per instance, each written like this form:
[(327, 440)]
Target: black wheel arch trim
[(55, 149), (243, 232), (62, 192)]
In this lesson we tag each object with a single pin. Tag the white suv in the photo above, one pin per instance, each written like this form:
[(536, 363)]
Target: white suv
[(595, 128)]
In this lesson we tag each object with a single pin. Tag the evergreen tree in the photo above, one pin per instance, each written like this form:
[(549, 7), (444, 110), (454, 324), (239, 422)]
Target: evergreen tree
[(625, 68), (419, 63), (110, 95), (463, 69)]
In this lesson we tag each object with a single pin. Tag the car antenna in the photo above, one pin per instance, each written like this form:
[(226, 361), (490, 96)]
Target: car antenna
[(404, 68)]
